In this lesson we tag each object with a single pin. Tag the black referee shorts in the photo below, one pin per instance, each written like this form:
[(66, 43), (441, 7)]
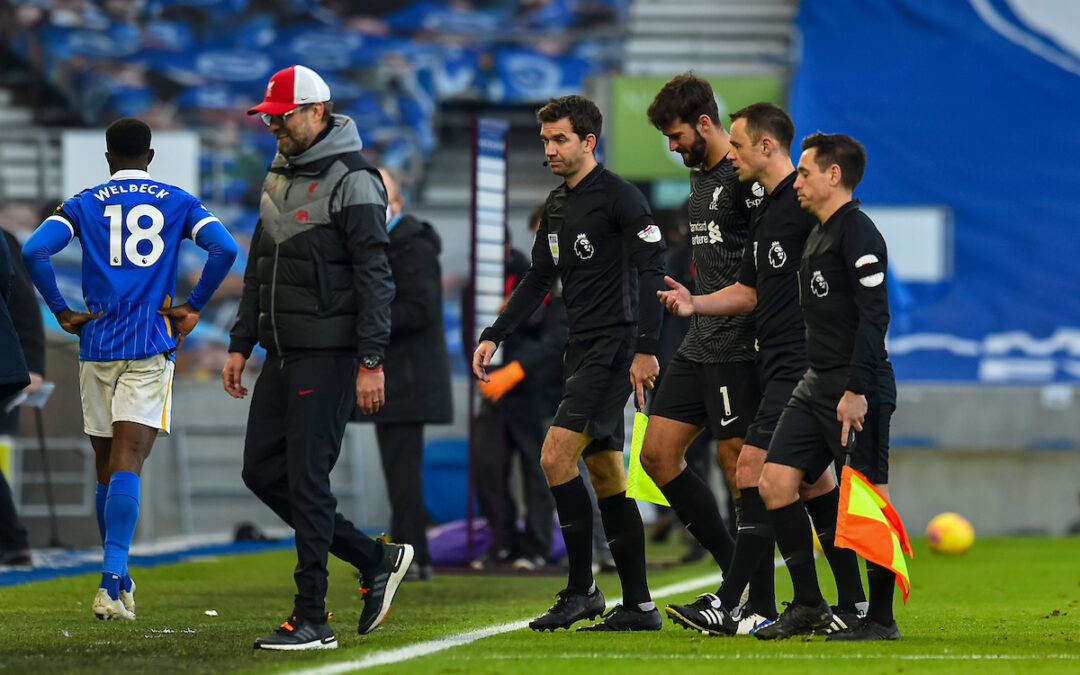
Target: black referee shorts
[(774, 397), (780, 370), (807, 436), (596, 385), (721, 397)]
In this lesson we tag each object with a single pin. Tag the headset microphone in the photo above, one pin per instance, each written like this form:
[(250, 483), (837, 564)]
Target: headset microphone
[(545, 162)]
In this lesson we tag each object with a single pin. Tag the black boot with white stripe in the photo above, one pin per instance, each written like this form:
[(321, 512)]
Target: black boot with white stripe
[(707, 615)]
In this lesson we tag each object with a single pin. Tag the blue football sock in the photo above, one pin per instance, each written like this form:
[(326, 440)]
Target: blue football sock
[(100, 495), (99, 501), (111, 583), (121, 516)]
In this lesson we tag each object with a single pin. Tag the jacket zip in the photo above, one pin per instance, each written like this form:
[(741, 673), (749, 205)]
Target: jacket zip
[(273, 284), (273, 298)]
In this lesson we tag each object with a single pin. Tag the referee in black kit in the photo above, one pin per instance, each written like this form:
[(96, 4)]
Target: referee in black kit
[(761, 136), (597, 234), (849, 387)]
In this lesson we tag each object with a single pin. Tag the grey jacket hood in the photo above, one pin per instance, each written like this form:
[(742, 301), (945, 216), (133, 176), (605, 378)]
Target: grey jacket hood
[(343, 137)]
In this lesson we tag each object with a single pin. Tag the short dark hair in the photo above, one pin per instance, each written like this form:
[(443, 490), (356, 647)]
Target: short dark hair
[(685, 97), (128, 138), (841, 150), (767, 119), (585, 117)]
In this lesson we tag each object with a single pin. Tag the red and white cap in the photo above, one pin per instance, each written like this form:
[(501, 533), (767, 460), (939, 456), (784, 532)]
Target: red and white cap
[(294, 86)]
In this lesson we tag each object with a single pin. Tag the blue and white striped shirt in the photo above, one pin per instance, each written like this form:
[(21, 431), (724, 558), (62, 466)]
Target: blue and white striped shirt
[(130, 229)]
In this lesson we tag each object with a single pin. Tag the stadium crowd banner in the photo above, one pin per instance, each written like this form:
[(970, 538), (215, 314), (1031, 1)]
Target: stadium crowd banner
[(967, 113), (637, 151)]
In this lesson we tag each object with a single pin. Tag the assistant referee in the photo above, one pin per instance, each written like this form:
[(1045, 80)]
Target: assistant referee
[(850, 384)]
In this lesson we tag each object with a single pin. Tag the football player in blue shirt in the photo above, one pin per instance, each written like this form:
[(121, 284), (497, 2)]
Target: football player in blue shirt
[(130, 229)]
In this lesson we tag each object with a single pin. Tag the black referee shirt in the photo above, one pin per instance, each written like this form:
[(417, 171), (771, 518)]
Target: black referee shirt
[(771, 266), (843, 297), (594, 236), (719, 230)]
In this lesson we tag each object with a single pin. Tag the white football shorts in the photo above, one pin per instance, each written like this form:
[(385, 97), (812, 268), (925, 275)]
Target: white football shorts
[(132, 390)]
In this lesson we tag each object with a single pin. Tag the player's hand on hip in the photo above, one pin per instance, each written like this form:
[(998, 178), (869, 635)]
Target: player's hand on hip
[(230, 375), (184, 317), (643, 372), (851, 413), (72, 321), (481, 358), (678, 300), (370, 390)]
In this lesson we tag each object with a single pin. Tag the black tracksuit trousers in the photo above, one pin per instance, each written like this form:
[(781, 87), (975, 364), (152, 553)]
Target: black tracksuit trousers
[(296, 421)]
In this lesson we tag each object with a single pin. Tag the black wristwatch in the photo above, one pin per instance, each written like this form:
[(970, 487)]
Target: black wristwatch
[(371, 362)]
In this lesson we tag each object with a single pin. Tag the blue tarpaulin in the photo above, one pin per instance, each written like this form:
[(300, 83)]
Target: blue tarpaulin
[(970, 106)]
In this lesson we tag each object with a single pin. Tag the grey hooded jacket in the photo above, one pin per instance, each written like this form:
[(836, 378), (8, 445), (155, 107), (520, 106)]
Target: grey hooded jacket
[(317, 276)]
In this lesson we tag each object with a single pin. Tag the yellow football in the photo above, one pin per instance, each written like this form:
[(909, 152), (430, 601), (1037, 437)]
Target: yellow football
[(950, 533)]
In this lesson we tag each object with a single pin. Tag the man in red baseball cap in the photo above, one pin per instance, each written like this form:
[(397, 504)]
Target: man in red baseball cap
[(290, 91), (317, 294)]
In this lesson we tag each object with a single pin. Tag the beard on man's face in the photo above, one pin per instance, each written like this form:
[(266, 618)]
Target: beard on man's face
[(696, 154)]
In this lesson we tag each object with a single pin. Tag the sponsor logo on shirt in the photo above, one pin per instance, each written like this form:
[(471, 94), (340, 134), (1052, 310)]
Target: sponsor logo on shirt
[(758, 192), (818, 285), (706, 233)]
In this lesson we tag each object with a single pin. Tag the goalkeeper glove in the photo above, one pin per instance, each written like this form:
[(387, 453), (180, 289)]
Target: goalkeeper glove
[(502, 380)]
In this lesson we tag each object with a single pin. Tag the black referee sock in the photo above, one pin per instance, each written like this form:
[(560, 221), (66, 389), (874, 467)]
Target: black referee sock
[(880, 581), (762, 598), (843, 561), (753, 555), (695, 505), (576, 522), (792, 528), (626, 539)]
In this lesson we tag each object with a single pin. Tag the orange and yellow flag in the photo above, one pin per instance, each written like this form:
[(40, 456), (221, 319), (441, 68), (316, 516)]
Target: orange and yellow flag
[(869, 525)]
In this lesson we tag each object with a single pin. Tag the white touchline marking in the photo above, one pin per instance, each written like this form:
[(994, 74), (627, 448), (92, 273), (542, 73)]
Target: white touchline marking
[(772, 656), (412, 651)]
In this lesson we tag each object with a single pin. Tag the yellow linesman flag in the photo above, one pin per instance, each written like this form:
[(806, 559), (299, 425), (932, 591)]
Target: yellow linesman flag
[(638, 483), (869, 525)]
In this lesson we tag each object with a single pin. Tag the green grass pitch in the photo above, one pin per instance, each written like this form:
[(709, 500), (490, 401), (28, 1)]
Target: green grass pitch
[(1007, 606)]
